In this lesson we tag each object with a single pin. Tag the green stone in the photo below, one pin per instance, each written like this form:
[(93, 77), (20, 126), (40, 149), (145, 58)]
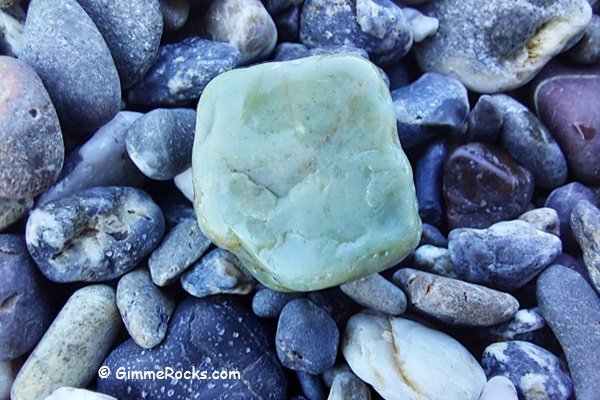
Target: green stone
[(298, 171)]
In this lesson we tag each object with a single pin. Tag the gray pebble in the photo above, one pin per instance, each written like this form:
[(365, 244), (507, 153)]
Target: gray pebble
[(311, 385), (505, 256), (12, 210), (160, 143), (377, 293), (101, 161), (175, 13), (183, 245), (527, 325), (7, 376), (25, 311), (12, 23), (585, 223), (217, 272), (572, 310), (65, 48), (543, 219), (132, 30), (435, 260), (347, 386), (185, 184), (294, 51), (485, 121), (432, 235), (268, 303), (95, 235), (454, 301), (144, 308), (587, 50), (421, 25), (329, 375), (74, 346)]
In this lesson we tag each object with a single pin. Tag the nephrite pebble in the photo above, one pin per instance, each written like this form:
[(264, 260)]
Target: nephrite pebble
[(285, 152)]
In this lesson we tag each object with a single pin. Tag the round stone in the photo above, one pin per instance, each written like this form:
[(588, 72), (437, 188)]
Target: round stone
[(285, 153)]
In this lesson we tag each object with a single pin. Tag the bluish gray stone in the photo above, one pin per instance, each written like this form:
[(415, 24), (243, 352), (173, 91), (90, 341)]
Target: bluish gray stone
[(12, 20), (183, 245), (307, 338), (12, 210), (132, 30), (217, 272), (94, 235), (347, 386), (432, 235), (339, 306), (288, 23), (377, 26), (435, 260), (587, 50), (181, 71), (212, 334), (101, 161), (25, 311), (484, 122), (184, 182), (505, 256), (377, 293), (175, 13), (535, 372), (311, 385), (428, 183), (294, 51), (585, 223), (526, 325), (543, 219), (268, 303), (160, 142), (277, 6), (572, 310), (64, 47)]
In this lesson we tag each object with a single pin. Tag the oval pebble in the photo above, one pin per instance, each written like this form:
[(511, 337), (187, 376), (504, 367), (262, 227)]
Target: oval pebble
[(377, 293), (428, 183), (499, 388), (95, 235), (312, 386), (347, 386), (268, 303), (585, 223), (543, 219), (175, 13)]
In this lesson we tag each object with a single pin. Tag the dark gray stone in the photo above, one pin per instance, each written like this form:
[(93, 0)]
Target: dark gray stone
[(377, 293), (95, 235), (484, 123), (428, 183), (307, 338), (535, 372), (160, 143), (213, 334), (572, 311), (25, 311), (311, 385), (268, 303), (377, 26), (175, 13), (181, 71), (132, 30), (505, 256), (339, 306), (277, 6), (288, 23), (587, 50), (217, 272), (12, 21), (432, 235), (347, 386), (585, 223), (63, 45)]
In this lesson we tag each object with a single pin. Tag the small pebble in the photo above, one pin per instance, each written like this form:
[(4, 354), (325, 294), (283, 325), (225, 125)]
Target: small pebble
[(526, 325), (69, 393), (183, 245), (185, 184), (428, 183), (347, 386), (432, 235), (421, 25), (435, 260), (72, 349), (160, 142), (175, 13), (505, 256), (329, 375), (12, 24), (534, 371), (217, 272), (587, 50), (7, 376), (245, 24), (484, 185), (453, 301), (268, 303), (12, 210), (434, 104), (572, 310), (287, 23), (307, 338), (311, 385), (377, 293), (543, 219), (144, 308), (499, 388), (585, 223), (484, 122), (95, 235), (339, 306)]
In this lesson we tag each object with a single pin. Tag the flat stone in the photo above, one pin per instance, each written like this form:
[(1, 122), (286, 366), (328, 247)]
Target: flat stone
[(32, 150), (72, 349), (505, 256), (12, 210), (499, 388), (63, 45), (453, 301), (315, 142), (69, 393), (543, 219), (377, 293), (403, 359), (572, 310), (347, 386), (499, 45), (144, 308), (534, 371), (585, 222)]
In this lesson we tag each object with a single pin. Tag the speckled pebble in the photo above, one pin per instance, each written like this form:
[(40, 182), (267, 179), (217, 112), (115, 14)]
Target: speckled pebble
[(543, 219), (12, 210), (527, 325), (347, 386), (377, 293), (434, 259)]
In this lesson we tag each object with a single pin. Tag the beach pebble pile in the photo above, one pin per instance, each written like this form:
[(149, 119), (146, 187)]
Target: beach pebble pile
[(300, 199)]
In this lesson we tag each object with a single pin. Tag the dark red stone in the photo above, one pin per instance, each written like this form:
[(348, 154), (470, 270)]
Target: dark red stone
[(484, 185)]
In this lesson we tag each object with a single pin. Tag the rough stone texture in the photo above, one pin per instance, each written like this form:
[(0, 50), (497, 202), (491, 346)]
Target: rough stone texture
[(499, 45), (404, 359), (585, 223), (12, 210), (181, 71), (7, 376), (31, 149), (543, 219), (435, 260), (587, 50), (64, 47), (453, 301), (183, 245), (572, 310), (506, 256), (12, 23), (217, 272), (94, 235), (485, 121), (72, 349), (421, 25), (534, 371), (245, 24), (484, 185), (69, 393), (25, 311), (144, 308), (101, 161), (213, 334), (347, 386), (300, 147), (132, 30), (499, 388), (377, 293)]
